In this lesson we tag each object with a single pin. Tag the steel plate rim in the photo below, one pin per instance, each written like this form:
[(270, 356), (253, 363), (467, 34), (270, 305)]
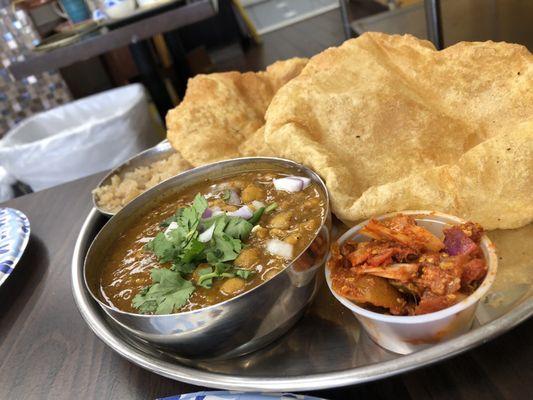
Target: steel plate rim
[(274, 384)]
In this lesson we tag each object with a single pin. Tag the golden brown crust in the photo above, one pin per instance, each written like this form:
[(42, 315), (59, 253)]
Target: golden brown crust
[(390, 124), (221, 112), (492, 184)]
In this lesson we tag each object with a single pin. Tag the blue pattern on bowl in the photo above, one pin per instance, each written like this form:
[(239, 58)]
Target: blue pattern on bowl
[(112, 3), (14, 236)]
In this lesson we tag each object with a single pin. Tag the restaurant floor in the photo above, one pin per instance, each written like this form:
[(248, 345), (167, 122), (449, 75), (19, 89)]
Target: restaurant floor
[(302, 39)]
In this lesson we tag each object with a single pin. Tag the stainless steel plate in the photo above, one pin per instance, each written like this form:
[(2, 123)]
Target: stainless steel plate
[(326, 348)]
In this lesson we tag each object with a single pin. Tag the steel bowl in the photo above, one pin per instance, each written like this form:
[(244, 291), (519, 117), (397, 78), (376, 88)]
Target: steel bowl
[(236, 326), (159, 152)]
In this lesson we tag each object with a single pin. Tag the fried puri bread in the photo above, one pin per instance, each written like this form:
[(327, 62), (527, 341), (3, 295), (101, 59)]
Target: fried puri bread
[(391, 123), (221, 112)]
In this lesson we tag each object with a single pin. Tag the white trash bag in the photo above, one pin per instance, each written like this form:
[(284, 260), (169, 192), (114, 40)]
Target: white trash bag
[(6, 182), (78, 139)]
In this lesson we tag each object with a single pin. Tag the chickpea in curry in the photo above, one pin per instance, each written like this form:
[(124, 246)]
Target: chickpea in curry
[(219, 239)]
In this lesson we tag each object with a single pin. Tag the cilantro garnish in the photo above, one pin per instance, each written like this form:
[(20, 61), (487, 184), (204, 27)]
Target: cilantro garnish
[(239, 227), (207, 275), (257, 216), (220, 270), (168, 292), (169, 220), (227, 195), (180, 246), (243, 273), (271, 207)]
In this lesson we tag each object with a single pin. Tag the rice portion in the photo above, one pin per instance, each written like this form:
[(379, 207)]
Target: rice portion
[(122, 190)]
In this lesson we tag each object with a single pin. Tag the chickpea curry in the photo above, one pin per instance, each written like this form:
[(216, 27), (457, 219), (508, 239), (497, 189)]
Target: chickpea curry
[(216, 241), (406, 270)]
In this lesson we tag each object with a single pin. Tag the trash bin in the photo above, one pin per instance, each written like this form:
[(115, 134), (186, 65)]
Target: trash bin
[(78, 139), (6, 182)]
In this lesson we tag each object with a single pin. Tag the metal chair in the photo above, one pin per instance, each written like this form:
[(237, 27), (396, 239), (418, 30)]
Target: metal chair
[(432, 13)]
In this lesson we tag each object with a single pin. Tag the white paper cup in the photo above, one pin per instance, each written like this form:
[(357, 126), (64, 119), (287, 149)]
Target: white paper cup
[(407, 334)]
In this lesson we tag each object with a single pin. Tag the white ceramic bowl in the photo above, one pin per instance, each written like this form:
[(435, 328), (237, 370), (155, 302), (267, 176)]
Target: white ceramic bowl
[(117, 9), (406, 334), (151, 3)]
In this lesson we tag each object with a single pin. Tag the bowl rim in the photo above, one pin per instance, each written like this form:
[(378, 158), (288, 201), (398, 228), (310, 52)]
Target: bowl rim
[(491, 258), (138, 202)]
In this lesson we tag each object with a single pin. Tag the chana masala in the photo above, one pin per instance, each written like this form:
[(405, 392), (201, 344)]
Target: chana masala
[(406, 270), (219, 239)]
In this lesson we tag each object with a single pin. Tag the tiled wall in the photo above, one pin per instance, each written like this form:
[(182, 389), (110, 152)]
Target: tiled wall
[(21, 99)]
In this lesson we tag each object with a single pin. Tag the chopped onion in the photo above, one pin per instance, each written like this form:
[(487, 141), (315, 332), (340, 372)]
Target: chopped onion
[(216, 211), (207, 213), (306, 181), (206, 235), (222, 186), (173, 225), (279, 248), (258, 204), (243, 212), (288, 184), (234, 198), (292, 183)]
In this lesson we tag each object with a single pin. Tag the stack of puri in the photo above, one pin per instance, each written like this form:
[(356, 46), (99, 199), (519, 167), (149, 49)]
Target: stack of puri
[(388, 122)]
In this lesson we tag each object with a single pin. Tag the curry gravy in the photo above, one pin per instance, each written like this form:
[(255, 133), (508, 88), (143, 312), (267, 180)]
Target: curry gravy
[(295, 221)]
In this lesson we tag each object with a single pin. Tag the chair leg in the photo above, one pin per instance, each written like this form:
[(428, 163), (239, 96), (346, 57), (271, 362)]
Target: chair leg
[(142, 56), (434, 22), (345, 16)]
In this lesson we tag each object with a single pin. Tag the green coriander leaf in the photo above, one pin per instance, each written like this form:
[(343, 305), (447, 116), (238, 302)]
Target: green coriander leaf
[(206, 283), (172, 218), (227, 195), (144, 305), (225, 249), (271, 207), (238, 228), (221, 268), (184, 269), (175, 300), (177, 234), (164, 249), (243, 273), (188, 222), (200, 204), (192, 250), (205, 277), (227, 238), (221, 221), (179, 245), (168, 292), (257, 216)]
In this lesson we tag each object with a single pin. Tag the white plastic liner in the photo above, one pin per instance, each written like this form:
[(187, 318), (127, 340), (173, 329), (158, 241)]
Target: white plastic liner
[(78, 139)]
